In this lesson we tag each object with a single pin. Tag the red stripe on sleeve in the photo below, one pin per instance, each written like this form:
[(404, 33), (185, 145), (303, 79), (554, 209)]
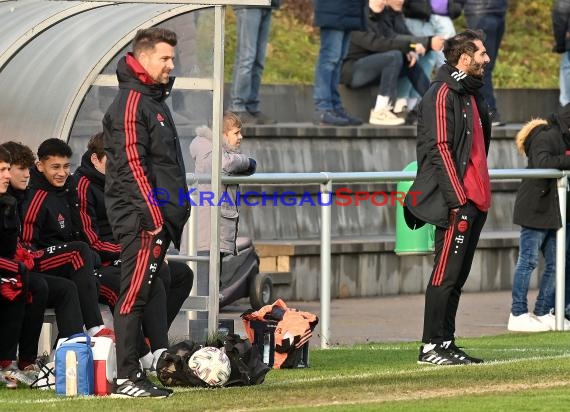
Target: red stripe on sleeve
[(134, 159), (441, 126), (32, 215)]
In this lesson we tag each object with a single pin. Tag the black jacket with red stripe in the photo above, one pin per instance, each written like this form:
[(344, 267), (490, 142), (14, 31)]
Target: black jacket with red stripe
[(143, 157), (445, 135), (51, 214), (9, 231), (95, 225)]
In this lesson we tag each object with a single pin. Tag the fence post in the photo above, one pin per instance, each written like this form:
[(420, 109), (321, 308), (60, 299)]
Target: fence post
[(326, 198), (561, 255)]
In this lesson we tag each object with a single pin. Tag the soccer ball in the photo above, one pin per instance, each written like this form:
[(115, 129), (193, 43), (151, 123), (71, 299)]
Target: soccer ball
[(210, 364)]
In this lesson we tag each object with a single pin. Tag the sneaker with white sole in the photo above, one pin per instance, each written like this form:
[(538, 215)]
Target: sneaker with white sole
[(16, 375), (439, 356), (138, 386), (458, 352), (550, 320), (526, 323), (385, 117)]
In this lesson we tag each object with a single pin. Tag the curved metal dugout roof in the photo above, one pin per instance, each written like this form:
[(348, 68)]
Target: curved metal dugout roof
[(51, 52)]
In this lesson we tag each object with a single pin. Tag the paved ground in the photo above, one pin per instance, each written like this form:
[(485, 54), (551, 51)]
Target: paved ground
[(392, 318)]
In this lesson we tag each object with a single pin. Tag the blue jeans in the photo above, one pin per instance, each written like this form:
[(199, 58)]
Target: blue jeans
[(531, 241), (384, 66), (565, 78), (407, 87), (494, 27), (253, 25), (334, 45)]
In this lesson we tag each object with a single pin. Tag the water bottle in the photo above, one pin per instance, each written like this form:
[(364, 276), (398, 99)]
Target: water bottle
[(266, 347)]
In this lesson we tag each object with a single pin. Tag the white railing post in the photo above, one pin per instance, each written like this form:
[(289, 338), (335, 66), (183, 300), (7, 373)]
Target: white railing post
[(326, 199), (560, 305)]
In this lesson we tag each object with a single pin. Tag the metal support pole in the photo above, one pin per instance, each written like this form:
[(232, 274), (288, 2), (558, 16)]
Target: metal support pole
[(192, 248), (217, 114), (561, 256), (326, 197)]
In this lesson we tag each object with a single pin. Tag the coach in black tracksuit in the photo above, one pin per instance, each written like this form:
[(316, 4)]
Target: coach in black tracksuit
[(454, 188), (143, 155)]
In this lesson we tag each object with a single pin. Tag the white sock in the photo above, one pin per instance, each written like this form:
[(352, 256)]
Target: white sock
[(156, 354), (94, 330), (428, 347), (147, 360), (121, 381), (412, 101), (401, 102), (381, 102), (445, 344)]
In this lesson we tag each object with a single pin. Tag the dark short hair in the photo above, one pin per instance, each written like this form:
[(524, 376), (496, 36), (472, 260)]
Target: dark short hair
[(21, 154), (96, 145), (146, 39), (461, 43), (231, 120), (54, 147), (5, 155)]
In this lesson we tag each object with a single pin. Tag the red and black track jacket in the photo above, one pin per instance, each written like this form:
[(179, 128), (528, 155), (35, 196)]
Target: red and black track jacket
[(445, 135), (143, 155), (51, 214), (94, 222), (9, 231)]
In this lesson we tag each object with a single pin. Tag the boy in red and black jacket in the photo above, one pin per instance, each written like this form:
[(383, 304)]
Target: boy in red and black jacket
[(61, 292), (50, 210)]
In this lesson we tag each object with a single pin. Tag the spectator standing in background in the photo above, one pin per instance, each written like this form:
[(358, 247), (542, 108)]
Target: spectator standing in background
[(561, 27), (253, 25), (336, 20), (489, 16)]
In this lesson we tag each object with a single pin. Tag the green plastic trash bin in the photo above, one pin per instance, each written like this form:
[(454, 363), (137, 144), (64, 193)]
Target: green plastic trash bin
[(412, 242)]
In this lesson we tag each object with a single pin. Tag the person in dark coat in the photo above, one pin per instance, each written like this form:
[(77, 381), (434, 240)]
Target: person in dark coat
[(488, 16), (452, 189), (546, 143), (336, 20), (144, 161), (561, 28)]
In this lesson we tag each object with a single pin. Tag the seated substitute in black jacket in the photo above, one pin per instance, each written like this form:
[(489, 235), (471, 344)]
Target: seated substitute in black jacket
[(49, 212), (143, 160), (381, 54)]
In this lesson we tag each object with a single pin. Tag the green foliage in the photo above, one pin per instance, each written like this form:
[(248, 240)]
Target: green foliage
[(525, 59)]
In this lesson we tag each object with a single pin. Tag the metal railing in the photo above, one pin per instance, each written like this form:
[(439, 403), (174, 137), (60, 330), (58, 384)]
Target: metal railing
[(326, 180)]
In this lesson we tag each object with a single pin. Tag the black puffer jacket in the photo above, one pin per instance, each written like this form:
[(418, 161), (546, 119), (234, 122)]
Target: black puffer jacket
[(545, 143), (143, 157), (94, 223), (445, 136), (385, 31), (340, 14), (479, 7), (561, 25), (421, 9)]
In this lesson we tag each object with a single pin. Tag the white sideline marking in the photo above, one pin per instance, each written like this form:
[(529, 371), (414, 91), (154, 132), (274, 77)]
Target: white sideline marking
[(411, 372)]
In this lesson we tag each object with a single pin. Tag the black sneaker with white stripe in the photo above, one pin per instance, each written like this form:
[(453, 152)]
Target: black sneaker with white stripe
[(439, 356), (459, 353), (138, 386)]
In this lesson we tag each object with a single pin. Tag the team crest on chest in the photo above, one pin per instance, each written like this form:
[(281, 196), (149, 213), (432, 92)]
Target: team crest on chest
[(160, 118), (61, 221)]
